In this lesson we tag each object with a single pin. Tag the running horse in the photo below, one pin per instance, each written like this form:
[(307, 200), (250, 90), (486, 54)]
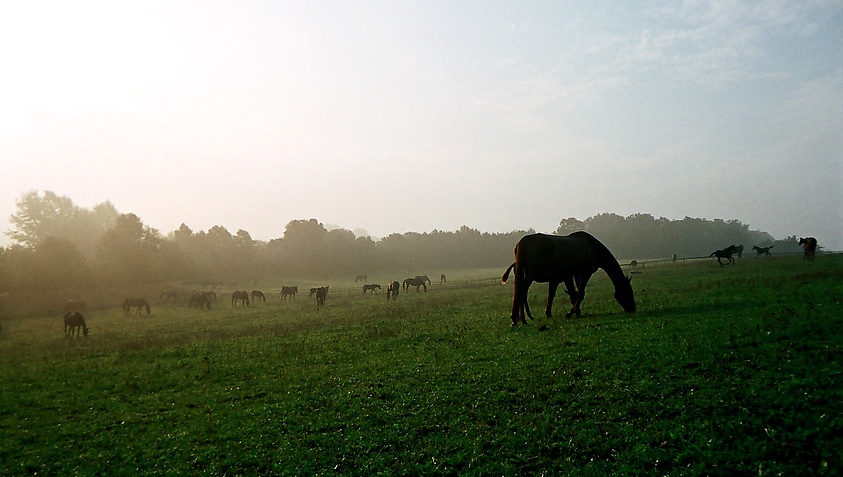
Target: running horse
[(140, 303), (762, 250), (725, 253), (241, 296), (809, 244), (571, 259)]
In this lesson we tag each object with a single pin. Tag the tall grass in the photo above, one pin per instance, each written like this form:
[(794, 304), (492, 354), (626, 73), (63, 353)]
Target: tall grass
[(720, 372)]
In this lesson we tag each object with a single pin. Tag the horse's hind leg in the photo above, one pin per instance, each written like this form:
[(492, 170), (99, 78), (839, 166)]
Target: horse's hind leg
[(551, 294)]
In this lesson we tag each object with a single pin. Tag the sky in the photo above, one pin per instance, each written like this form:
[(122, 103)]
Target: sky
[(413, 116)]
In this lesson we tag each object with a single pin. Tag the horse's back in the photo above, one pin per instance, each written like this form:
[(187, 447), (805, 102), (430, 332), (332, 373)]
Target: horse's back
[(551, 257)]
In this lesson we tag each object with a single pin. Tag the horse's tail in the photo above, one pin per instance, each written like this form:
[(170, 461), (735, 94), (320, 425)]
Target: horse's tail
[(505, 276), (712, 254)]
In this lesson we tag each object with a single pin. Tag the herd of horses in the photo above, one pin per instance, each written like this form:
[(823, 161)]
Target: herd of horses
[(808, 244), (552, 259)]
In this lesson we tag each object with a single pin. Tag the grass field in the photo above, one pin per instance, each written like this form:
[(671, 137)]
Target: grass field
[(733, 371)]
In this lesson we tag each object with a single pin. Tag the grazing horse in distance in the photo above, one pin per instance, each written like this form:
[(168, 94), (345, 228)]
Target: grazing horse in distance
[(241, 296), (312, 292), (762, 250), (74, 321), (569, 259), (257, 296), (140, 303), (290, 292), (371, 288), (74, 305), (392, 290), (423, 278), (725, 253), (361, 278), (200, 298), (415, 282), (809, 244), (321, 295), (442, 279), (170, 295)]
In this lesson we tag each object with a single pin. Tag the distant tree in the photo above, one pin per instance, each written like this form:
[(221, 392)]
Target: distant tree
[(130, 251)]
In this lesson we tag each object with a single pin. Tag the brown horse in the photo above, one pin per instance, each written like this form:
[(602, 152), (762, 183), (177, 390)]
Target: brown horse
[(571, 258), (809, 244), (415, 282), (321, 295), (74, 321), (257, 296), (140, 303), (392, 290), (371, 288), (241, 296), (290, 292), (200, 299), (442, 279), (361, 278), (170, 295), (762, 250)]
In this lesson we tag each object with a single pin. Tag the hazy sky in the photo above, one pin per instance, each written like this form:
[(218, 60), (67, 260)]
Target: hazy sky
[(400, 116)]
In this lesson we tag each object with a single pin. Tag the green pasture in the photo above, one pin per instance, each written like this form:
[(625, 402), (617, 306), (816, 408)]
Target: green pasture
[(722, 371)]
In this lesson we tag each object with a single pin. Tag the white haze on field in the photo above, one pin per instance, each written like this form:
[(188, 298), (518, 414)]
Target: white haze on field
[(388, 117)]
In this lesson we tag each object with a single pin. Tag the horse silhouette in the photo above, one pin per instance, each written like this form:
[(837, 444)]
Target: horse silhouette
[(200, 299), (725, 253), (289, 292), (371, 288), (241, 296), (74, 321), (392, 290), (415, 282), (321, 295), (140, 303), (571, 259), (257, 296), (762, 250), (809, 245)]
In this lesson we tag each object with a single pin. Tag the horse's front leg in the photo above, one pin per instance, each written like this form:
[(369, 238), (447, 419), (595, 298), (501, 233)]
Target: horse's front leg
[(581, 283)]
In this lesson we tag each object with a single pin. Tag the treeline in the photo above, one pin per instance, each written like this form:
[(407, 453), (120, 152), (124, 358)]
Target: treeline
[(59, 245)]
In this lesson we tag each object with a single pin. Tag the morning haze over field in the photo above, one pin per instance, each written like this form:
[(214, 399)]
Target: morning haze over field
[(391, 117)]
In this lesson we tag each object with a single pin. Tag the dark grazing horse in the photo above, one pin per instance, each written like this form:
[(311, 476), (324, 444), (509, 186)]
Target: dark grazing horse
[(415, 282), (321, 295), (809, 245), (442, 279), (289, 292), (725, 253), (241, 296), (200, 299), (74, 321), (371, 288), (140, 303), (762, 250), (570, 259), (257, 296), (392, 290)]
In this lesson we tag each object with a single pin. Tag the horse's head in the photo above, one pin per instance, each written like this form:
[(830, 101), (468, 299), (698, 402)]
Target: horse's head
[(624, 294)]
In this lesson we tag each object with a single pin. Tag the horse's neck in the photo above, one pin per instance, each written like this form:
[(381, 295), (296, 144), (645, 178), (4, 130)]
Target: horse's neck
[(613, 269)]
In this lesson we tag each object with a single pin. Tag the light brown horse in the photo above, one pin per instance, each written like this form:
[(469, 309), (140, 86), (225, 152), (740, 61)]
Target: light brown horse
[(74, 321), (140, 303)]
